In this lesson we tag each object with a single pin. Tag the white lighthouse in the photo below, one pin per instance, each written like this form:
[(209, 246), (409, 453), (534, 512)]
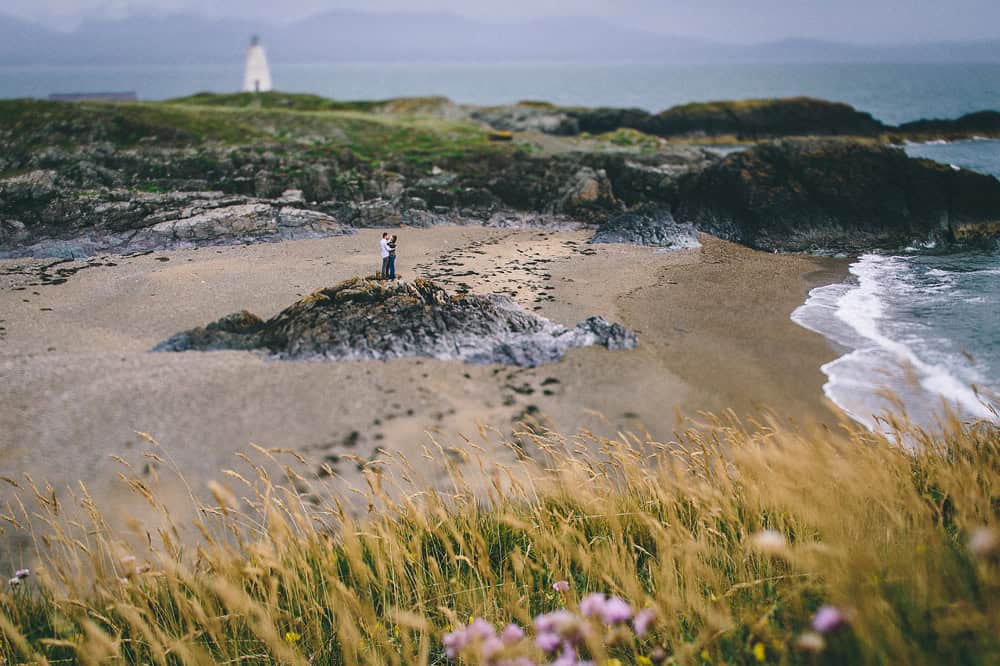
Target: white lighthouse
[(258, 75)]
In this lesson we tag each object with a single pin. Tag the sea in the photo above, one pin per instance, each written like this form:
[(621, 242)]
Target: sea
[(917, 331)]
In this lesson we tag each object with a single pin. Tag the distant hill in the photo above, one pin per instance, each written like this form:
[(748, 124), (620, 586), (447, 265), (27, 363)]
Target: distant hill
[(424, 37)]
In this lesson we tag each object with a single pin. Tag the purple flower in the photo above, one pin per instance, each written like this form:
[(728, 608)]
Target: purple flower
[(592, 604), (555, 622), (512, 634), (644, 619), (561, 586), (22, 573), (567, 658), (479, 632), (616, 611), (489, 648), (827, 619), (481, 629), (548, 641), (455, 642)]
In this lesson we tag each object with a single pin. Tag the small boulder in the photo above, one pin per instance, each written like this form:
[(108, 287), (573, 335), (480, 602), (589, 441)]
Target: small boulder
[(651, 226)]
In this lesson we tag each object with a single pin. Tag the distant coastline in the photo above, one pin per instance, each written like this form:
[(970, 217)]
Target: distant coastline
[(892, 94)]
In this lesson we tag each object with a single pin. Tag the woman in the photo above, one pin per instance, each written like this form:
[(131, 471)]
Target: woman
[(392, 258)]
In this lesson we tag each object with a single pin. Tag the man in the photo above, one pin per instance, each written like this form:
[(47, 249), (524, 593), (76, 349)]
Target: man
[(384, 246), (392, 257)]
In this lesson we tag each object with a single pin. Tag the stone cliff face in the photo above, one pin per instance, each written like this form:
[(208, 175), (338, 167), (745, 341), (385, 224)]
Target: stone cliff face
[(844, 196), (362, 319)]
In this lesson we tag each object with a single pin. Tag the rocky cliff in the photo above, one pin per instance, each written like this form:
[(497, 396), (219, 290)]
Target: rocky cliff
[(835, 196)]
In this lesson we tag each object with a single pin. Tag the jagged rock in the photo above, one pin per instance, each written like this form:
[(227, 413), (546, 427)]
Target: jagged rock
[(362, 319), (588, 190), (12, 231), (374, 213), (650, 226), (161, 221), (291, 197), (523, 117), (835, 196)]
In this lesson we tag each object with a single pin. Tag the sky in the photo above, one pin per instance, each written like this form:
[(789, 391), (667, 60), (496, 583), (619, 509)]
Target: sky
[(866, 21)]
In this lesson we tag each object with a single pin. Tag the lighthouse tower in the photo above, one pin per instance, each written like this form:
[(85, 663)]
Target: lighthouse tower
[(258, 75)]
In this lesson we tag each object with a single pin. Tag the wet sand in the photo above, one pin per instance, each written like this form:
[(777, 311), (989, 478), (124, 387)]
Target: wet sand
[(77, 381)]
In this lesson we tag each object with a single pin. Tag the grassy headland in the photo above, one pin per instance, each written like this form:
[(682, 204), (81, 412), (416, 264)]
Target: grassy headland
[(747, 544)]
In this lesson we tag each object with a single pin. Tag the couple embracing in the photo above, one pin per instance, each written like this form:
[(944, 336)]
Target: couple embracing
[(387, 247)]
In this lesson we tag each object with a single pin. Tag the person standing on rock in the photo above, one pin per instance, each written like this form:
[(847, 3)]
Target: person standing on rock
[(384, 249), (392, 257)]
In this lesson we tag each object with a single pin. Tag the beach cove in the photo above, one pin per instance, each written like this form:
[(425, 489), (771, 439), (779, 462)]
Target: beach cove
[(79, 381)]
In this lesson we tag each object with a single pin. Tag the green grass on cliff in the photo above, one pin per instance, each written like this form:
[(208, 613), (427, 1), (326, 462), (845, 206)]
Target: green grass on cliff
[(752, 545), (274, 100), (296, 122)]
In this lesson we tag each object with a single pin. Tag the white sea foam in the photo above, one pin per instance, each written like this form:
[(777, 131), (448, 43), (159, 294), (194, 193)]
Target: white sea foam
[(878, 364)]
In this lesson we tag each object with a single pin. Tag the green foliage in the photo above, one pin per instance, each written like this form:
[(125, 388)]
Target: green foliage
[(274, 100)]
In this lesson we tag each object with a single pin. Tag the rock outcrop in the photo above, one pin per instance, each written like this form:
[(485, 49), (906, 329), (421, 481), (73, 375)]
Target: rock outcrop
[(835, 196), (648, 226), (981, 123), (362, 319), (122, 221), (764, 118)]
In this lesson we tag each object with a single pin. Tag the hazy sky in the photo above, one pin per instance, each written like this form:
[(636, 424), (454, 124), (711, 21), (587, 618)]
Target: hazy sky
[(723, 20)]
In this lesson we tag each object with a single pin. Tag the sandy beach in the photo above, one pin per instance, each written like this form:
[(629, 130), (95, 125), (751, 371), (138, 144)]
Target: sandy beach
[(77, 380)]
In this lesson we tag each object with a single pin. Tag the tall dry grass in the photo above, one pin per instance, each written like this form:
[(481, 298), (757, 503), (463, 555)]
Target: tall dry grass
[(735, 534)]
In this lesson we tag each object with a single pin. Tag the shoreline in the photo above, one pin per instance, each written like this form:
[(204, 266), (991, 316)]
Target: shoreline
[(78, 382), (891, 359)]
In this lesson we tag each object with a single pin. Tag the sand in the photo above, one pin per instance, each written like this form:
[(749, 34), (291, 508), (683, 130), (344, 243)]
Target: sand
[(77, 381)]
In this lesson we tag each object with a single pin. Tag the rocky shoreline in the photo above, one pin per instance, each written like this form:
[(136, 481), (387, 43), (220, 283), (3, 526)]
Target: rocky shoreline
[(82, 179)]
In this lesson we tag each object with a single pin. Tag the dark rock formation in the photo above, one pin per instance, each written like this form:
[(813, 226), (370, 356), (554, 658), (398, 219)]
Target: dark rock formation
[(363, 319), (609, 119), (835, 195), (122, 221), (761, 119), (981, 123), (648, 226)]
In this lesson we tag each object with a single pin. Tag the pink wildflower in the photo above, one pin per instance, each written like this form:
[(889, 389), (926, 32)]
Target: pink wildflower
[(592, 604), (548, 641), (512, 634), (561, 586), (644, 619), (22, 573), (616, 611), (827, 619)]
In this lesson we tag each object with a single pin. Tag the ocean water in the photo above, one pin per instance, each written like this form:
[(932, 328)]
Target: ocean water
[(918, 329), (892, 93)]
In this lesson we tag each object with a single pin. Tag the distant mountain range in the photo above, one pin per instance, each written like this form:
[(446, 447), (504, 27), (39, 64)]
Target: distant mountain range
[(425, 37)]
